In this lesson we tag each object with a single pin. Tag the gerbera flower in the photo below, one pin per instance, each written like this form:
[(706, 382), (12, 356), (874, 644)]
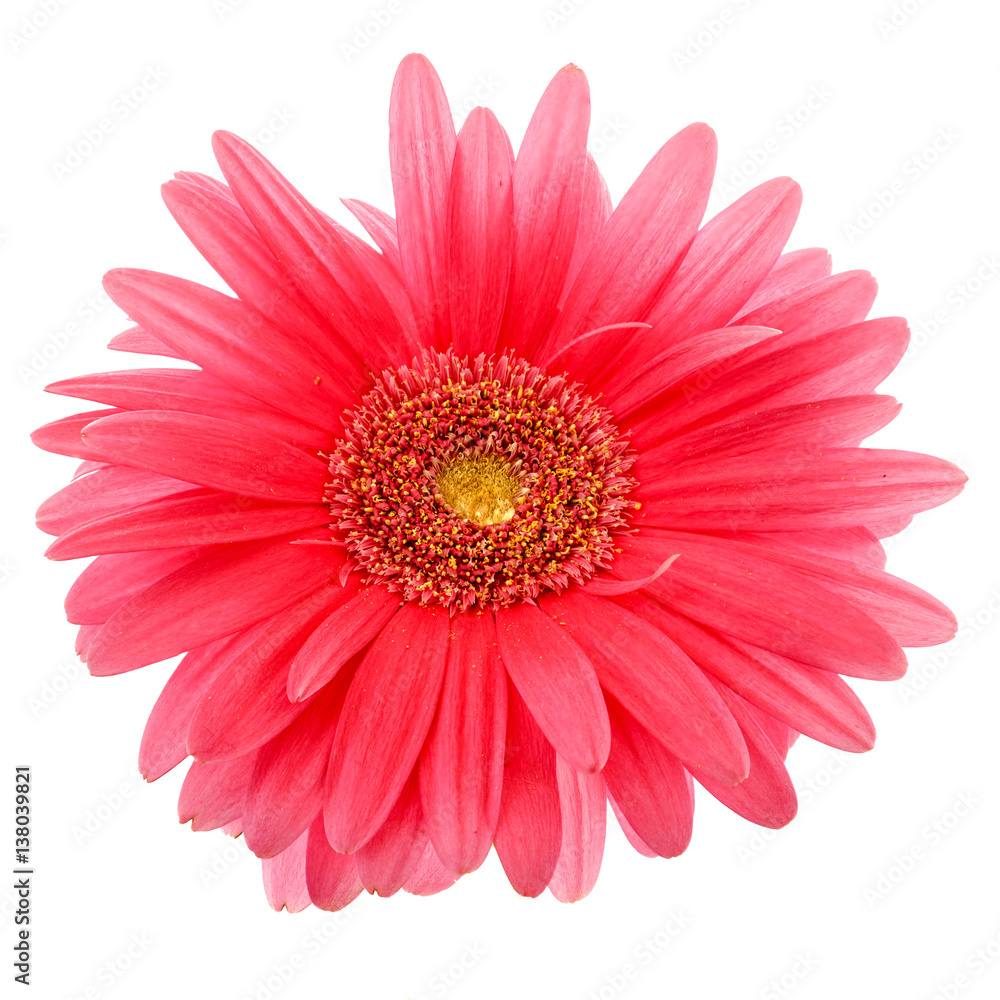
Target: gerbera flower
[(536, 507)]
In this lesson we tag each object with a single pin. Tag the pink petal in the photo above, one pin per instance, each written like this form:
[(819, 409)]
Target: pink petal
[(786, 490), (729, 257), (911, 616), (791, 271), (628, 388), (630, 835), (655, 681), (421, 150), (184, 610), (557, 682), (549, 177), (480, 234), (212, 794), (225, 237), (135, 340), (638, 247), (778, 371), (164, 740), (196, 518), (285, 878), (650, 788), (827, 304), (348, 629), (429, 876), (63, 437), (104, 491), (216, 453), (246, 704), (285, 792), (111, 581), (767, 795), (816, 702), (595, 211), (331, 878), (820, 424), (388, 712), (461, 767), (381, 227), (583, 807), (318, 257), (529, 827), (388, 859), (727, 586), (233, 342), (191, 391)]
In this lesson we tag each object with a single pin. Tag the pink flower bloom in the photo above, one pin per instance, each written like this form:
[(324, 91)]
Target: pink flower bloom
[(537, 507)]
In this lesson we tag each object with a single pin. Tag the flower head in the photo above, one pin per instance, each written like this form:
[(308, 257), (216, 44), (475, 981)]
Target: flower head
[(524, 507)]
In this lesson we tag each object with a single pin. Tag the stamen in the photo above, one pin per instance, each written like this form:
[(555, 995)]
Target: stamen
[(479, 482)]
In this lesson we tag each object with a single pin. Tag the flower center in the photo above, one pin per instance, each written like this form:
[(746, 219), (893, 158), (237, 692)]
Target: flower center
[(478, 483), (481, 489)]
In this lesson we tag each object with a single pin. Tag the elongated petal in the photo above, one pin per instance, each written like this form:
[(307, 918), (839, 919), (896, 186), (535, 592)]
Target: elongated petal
[(246, 704), (583, 806), (816, 702), (63, 437), (421, 150), (285, 878), (911, 616), (224, 235), (778, 371), (212, 794), (317, 256), (461, 767), (529, 826), (595, 210), (231, 341), (557, 682), (480, 234), (111, 581), (285, 792), (209, 452), (720, 584), (630, 835), (699, 358), (191, 391), (135, 340), (638, 247), (767, 795), (348, 629), (380, 226), (798, 491), (104, 491), (164, 740), (429, 875), (201, 519), (728, 259), (388, 859), (549, 175), (388, 712), (184, 609), (791, 271), (656, 682), (827, 304), (332, 879), (649, 786), (818, 425)]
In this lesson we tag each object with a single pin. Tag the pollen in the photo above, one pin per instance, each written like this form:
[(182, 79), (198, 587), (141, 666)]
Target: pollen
[(478, 482), (481, 489)]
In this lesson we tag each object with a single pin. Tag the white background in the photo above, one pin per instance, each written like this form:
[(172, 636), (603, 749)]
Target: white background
[(805, 912)]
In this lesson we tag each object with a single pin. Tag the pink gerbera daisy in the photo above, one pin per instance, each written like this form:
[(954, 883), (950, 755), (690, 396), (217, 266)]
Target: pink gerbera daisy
[(536, 507)]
